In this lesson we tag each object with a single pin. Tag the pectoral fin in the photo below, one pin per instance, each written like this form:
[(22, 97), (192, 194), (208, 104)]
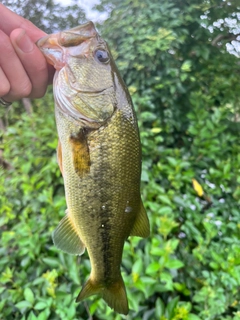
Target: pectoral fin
[(66, 237), (59, 156), (141, 226), (80, 153)]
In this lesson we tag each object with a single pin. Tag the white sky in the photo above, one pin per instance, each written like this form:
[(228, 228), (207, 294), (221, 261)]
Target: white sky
[(87, 6)]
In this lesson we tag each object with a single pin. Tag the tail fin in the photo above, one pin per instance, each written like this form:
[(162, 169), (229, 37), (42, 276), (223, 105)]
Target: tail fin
[(114, 294)]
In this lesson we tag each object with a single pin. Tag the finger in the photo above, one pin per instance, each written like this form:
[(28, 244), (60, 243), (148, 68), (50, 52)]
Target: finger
[(20, 85), (10, 21), (32, 60), (5, 85)]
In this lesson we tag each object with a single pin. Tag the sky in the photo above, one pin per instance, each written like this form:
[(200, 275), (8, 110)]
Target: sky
[(87, 6)]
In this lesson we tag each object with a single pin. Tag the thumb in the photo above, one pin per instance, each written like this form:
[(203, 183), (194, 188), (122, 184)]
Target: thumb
[(32, 59), (22, 41)]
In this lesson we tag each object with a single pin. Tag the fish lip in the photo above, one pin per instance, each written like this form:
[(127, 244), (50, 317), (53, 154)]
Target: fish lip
[(42, 41), (82, 33), (78, 34)]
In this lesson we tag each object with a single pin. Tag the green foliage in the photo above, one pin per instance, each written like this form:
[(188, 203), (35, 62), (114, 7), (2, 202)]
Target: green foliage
[(32, 201), (48, 15), (186, 93)]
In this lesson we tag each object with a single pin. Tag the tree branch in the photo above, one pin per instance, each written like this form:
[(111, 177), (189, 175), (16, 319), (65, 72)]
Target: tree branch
[(229, 37)]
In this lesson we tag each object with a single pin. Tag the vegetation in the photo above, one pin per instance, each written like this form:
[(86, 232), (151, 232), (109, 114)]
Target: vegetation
[(48, 15), (185, 87)]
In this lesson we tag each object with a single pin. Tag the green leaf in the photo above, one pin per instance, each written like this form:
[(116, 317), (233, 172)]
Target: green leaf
[(137, 266), (152, 268), (174, 264), (52, 262), (166, 278), (173, 244), (40, 305), (192, 316), (23, 305), (160, 308), (165, 210), (186, 66), (43, 315), (171, 307), (145, 176), (173, 162), (156, 130), (32, 316), (164, 199), (28, 295)]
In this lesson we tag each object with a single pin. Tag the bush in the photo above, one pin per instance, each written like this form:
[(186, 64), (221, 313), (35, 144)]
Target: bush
[(185, 90)]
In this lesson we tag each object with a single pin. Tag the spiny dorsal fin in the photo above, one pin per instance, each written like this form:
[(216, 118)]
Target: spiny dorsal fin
[(141, 227), (80, 153), (66, 238)]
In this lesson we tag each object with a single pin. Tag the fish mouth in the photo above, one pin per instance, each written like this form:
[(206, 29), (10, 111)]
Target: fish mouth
[(52, 46)]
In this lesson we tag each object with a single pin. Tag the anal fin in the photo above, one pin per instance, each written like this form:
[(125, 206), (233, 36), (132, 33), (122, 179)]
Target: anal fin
[(66, 238), (141, 227)]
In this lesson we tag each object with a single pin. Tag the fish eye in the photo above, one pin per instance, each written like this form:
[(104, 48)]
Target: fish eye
[(102, 56)]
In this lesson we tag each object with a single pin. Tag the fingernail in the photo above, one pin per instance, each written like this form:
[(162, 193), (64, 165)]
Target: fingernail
[(24, 42)]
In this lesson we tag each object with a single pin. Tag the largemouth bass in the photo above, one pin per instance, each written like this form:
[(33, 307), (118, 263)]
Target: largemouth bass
[(99, 156)]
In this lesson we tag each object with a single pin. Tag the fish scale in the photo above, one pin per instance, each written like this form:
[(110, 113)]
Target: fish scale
[(99, 155)]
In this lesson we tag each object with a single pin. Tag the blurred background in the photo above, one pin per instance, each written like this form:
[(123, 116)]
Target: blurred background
[(180, 60)]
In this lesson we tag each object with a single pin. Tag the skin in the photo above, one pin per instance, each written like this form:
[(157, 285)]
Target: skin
[(24, 71)]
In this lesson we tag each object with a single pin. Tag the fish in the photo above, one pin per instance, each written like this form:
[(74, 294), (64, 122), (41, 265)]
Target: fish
[(99, 155)]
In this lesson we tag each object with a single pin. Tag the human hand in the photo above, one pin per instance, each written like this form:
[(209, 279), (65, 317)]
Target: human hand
[(24, 71)]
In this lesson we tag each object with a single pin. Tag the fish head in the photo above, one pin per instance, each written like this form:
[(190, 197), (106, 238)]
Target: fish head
[(86, 80)]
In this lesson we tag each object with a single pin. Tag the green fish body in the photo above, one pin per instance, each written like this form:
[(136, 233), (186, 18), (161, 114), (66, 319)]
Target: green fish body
[(99, 156)]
